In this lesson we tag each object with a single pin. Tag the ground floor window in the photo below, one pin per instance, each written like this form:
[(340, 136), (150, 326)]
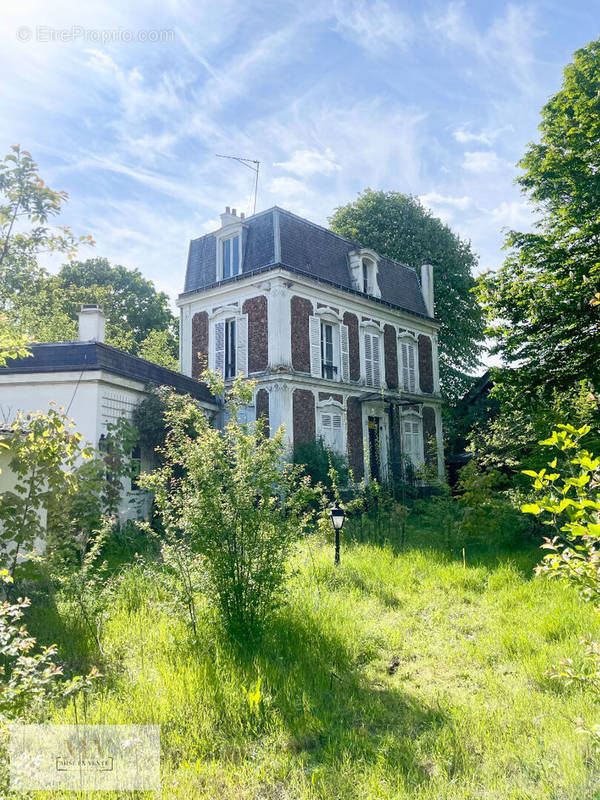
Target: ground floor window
[(412, 440), (331, 428)]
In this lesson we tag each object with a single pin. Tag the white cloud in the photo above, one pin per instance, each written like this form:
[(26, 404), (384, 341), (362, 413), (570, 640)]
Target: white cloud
[(486, 136), (433, 199), (310, 162), (482, 161), (285, 187), (374, 25), (516, 214)]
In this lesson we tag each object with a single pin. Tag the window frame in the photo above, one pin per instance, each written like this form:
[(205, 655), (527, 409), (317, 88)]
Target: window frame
[(230, 348), (414, 454), (374, 330), (409, 338)]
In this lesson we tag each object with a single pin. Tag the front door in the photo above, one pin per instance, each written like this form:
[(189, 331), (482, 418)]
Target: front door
[(374, 448)]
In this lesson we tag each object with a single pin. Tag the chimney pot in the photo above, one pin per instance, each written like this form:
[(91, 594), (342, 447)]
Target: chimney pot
[(233, 211), (227, 210), (91, 323), (242, 215)]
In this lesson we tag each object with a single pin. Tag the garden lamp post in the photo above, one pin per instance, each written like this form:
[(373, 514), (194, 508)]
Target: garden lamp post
[(336, 515)]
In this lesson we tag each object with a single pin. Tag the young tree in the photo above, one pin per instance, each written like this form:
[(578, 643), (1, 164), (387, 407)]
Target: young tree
[(229, 498), (398, 226), (543, 304)]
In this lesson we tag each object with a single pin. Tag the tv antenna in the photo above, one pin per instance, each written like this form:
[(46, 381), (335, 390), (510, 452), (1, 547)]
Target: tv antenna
[(251, 164)]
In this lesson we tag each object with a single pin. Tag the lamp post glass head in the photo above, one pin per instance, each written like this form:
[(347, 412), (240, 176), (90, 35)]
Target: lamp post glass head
[(336, 515)]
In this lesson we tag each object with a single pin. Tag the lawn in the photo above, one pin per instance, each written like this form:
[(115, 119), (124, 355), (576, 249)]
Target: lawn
[(400, 674)]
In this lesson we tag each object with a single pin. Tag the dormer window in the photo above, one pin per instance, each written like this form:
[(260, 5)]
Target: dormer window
[(230, 245), (363, 270), (231, 256)]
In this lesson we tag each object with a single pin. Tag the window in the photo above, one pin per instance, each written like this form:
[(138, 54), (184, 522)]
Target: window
[(412, 441), (331, 429), (365, 277), (329, 348), (328, 367), (228, 345), (231, 256), (408, 361), (372, 360), (230, 348)]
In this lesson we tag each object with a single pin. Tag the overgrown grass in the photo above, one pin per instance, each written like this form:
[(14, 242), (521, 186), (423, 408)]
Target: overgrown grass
[(400, 674)]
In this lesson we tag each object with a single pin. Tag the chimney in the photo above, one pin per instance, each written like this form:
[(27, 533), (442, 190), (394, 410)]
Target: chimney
[(91, 323), (230, 216), (427, 287)]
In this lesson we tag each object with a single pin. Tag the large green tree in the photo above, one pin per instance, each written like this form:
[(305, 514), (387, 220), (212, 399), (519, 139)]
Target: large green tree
[(542, 305), (398, 226), (38, 306)]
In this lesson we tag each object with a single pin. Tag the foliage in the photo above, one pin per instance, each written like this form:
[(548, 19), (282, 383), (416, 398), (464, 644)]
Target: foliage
[(229, 497), (43, 307), (509, 440), (138, 317), (28, 677), (158, 347), (43, 451), (12, 343), (62, 487), (317, 460), (398, 226), (25, 197), (542, 305), (438, 679), (568, 500)]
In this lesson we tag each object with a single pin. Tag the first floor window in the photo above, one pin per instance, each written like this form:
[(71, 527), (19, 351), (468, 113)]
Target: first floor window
[(332, 429), (231, 256), (328, 368), (230, 348), (412, 440)]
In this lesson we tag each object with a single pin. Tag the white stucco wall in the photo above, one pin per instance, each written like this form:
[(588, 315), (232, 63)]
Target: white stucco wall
[(93, 400)]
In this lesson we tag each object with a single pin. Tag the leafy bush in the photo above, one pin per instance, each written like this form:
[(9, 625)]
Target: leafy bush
[(568, 502), (229, 498), (317, 460)]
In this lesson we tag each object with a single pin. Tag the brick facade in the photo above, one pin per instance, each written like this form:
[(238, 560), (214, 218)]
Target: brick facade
[(355, 437), (429, 436), (425, 364), (258, 333), (301, 310), (262, 407), (199, 343), (390, 350), (303, 410), (351, 320)]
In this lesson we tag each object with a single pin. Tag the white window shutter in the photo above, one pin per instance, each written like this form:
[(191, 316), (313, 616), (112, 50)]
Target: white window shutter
[(404, 365), (368, 360), (411, 367), (217, 348), (241, 344), (314, 331), (376, 364), (345, 353)]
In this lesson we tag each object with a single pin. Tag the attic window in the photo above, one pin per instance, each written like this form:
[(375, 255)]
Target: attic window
[(369, 276), (230, 256)]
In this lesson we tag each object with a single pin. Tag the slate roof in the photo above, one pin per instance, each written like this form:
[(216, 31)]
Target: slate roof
[(87, 356), (278, 238)]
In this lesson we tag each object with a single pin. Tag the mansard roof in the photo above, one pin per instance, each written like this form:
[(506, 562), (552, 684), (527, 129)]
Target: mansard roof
[(278, 238), (88, 356)]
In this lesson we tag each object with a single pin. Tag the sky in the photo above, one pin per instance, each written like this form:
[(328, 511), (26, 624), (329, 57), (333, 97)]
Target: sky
[(124, 106)]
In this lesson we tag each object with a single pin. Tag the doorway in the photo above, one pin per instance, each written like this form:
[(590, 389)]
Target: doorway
[(374, 448)]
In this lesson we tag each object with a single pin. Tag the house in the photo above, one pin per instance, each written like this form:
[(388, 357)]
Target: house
[(96, 384), (341, 340)]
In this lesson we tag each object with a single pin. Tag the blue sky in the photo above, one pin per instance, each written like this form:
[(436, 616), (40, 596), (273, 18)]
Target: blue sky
[(437, 99)]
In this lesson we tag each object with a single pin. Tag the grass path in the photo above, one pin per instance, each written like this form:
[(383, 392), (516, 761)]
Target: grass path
[(394, 676)]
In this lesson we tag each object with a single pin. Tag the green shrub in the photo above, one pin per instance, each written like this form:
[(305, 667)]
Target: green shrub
[(317, 460), (228, 500)]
